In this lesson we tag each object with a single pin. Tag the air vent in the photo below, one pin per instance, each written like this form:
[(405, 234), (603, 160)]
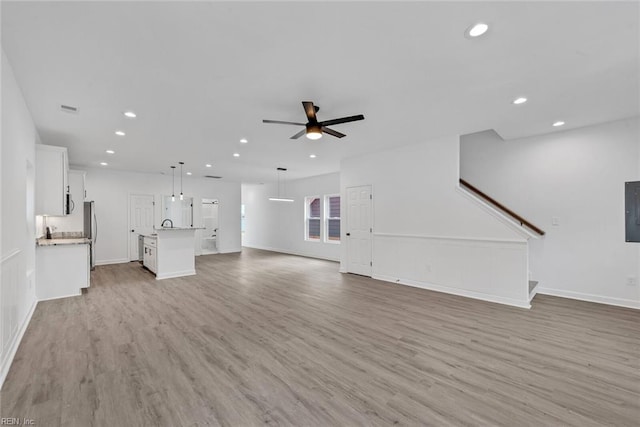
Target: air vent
[(212, 176), (69, 109)]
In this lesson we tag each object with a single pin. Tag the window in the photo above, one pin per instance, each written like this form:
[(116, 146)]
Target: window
[(332, 219), (312, 218)]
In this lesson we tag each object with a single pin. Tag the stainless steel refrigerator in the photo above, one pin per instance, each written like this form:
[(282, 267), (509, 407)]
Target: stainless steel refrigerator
[(91, 230)]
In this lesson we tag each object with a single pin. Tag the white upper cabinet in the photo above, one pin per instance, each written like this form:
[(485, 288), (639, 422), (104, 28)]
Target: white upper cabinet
[(52, 180)]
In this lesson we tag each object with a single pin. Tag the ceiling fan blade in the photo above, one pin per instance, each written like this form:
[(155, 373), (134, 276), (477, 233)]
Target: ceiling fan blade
[(310, 111), (342, 120), (280, 122), (299, 134), (332, 132)]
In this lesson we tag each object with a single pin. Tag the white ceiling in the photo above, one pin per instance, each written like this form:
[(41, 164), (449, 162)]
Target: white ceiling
[(202, 75)]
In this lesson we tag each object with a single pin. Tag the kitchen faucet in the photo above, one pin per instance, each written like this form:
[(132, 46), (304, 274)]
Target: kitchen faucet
[(162, 225)]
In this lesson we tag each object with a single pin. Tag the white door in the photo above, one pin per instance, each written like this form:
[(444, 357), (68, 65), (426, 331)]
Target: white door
[(140, 221), (359, 230)]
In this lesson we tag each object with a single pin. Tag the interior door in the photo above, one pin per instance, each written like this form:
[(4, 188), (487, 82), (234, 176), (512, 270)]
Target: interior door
[(359, 230), (140, 221)]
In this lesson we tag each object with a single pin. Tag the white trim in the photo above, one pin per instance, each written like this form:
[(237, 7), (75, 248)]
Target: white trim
[(16, 343), (498, 214), (619, 302), (453, 291), (63, 296), (307, 218), (176, 274), (10, 255), (232, 251), (114, 261), (474, 239), (534, 292), (302, 254), (326, 213)]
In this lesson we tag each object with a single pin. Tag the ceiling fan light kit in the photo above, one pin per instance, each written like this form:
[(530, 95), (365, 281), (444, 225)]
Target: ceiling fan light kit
[(314, 132), (313, 128)]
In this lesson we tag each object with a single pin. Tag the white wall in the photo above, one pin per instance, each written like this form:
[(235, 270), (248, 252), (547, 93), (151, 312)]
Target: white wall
[(577, 176), (17, 231), (280, 226), (111, 189), (427, 233)]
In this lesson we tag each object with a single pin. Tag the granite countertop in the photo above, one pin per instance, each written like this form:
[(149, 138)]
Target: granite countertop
[(63, 241)]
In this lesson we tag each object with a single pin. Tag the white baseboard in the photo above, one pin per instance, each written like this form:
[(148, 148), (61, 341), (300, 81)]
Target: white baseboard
[(455, 291), (63, 296), (620, 302), (176, 274), (114, 261), (233, 251), (4, 370), (306, 255)]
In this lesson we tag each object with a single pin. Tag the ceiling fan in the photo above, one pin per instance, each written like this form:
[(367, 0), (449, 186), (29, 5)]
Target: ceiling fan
[(313, 128)]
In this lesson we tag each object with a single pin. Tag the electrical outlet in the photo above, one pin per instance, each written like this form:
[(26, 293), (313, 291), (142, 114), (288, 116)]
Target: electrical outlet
[(631, 281)]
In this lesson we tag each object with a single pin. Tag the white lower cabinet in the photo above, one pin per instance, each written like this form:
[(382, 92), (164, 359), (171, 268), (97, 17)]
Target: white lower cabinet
[(61, 270), (150, 259)]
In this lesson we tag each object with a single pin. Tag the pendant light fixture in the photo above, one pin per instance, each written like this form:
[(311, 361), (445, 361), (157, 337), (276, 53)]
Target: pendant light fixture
[(173, 183), (284, 198), (181, 195)]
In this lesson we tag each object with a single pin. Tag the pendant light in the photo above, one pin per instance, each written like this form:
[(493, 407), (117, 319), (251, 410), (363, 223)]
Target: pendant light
[(173, 183), (281, 199), (181, 195)]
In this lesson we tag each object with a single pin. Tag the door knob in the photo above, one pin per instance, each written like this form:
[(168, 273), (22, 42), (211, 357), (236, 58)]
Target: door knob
[(133, 231)]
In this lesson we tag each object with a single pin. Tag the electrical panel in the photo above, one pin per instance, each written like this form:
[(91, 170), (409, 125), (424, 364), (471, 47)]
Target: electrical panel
[(632, 211)]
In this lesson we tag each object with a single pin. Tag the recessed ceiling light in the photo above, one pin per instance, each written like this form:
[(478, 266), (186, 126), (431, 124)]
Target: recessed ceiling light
[(189, 173), (208, 165), (110, 152), (236, 154), (313, 156), (477, 30), (520, 100), (558, 123), (244, 141), (104, 163), (120, 133), (130, 114)]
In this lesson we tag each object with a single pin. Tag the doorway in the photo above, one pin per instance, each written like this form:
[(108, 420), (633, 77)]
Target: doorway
[(141, 214), (210, 224), (359, 230)]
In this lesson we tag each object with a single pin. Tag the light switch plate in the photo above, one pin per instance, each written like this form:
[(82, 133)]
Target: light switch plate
[(555, 221)]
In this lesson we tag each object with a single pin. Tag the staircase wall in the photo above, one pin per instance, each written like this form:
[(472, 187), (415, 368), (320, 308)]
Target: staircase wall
[(571, 184)]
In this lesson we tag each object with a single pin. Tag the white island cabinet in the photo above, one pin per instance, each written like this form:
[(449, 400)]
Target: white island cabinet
[(149, 258), (174, 254)]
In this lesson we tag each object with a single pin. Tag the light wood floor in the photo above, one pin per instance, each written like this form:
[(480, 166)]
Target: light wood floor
[(264, 338)]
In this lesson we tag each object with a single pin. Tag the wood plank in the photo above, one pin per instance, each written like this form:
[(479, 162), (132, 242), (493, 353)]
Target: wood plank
[(260, 337)]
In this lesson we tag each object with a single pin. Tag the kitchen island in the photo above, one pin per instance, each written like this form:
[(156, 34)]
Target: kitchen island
[(170, 252)]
